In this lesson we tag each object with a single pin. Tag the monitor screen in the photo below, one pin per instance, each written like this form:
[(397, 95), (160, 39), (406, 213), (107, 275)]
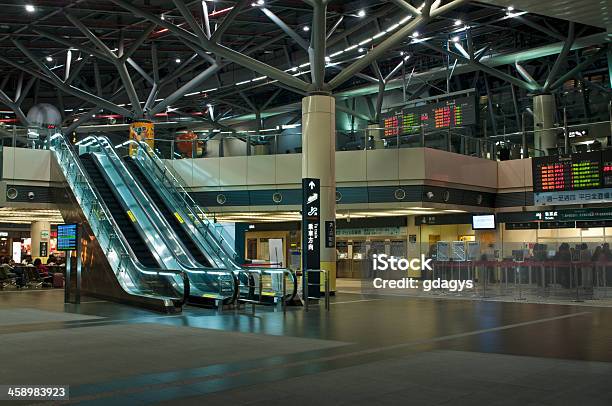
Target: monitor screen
[(483, 222), (67, 237)]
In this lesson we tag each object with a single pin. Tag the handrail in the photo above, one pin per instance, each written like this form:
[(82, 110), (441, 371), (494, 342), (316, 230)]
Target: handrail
[(135, 189), (190, 204), (130, 183), (114, 233)]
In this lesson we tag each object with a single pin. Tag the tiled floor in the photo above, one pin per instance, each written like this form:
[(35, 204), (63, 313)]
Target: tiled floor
[(366, 350)]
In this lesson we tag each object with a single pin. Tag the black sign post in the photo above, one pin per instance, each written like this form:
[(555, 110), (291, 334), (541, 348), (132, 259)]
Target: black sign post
[(68, 241), (311, 220)]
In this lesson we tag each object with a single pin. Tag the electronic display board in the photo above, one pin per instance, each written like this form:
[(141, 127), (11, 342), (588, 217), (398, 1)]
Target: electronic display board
[(67, 237), (568, 172), (446, 114)]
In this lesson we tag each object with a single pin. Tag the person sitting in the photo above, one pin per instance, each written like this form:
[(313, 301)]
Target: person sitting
[(51, 260), (42, 269)]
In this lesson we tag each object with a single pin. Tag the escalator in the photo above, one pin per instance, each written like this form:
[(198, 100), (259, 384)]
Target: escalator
[(116, 263), (209, 285), (120, 215), (205, 239), (174, 219)]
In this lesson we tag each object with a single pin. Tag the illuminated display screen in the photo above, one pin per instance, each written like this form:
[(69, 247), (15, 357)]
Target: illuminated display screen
[(67, 236), (447, 114), (606, 168), (570, 172), (391, 126)]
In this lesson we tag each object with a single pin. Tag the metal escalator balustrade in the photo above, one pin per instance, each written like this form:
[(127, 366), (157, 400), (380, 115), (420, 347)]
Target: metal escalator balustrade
[(207, 283), (133, 277), (174, 219), (208, 234)]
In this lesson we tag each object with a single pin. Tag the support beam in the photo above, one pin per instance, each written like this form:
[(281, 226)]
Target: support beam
[(316, 50), (561, 58), (487, 69), (588, 61), (407, 7), (50, 77), (395, 39), (4, 99), (227, 21), (523, 72), (186, 88), (286, 29), (334, 27), (538, 27), (220, 50)]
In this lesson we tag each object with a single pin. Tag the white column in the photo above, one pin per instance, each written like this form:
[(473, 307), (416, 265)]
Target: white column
[(40, 232), (319, 161), (543, 119)]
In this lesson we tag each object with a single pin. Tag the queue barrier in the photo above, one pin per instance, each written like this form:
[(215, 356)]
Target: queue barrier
[(255, 282), (578, 280)]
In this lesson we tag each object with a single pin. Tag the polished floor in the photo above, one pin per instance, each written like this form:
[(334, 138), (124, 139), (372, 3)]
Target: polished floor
[(366, 350)]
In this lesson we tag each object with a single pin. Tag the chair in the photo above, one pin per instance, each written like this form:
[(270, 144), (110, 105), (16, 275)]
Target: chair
[(34, 278), (7, 278)]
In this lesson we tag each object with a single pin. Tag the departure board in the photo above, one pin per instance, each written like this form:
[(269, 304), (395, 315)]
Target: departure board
[(391, 126), (568, 172), (606, 168), (67, 237), (450, 113)]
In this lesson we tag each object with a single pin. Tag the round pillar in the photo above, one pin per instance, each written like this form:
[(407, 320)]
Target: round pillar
[(376, 132), (545, 137), (319, 161), (40, 231)]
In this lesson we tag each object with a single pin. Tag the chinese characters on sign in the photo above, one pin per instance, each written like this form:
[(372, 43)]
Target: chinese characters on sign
[(311, 219), (573, 197), (573, 179)]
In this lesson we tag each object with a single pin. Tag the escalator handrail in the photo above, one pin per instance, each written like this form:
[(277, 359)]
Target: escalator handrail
[(195, 210), (108, 216), (150, 153), (131, 183)]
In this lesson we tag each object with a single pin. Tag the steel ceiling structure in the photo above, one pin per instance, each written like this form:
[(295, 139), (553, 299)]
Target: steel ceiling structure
[(216, 62)]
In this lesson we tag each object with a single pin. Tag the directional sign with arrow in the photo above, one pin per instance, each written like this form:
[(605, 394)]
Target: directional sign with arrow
[(311, 219)]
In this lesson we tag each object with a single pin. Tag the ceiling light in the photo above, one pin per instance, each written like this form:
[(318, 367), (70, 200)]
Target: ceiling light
[(361, 13), (260, 2), (455, 39), (415, 34), (327, 59), (306, 28), (163, 17), (457, 22), (177, 60), (361, 49), (49, 58), (510, 8), (30, 8)]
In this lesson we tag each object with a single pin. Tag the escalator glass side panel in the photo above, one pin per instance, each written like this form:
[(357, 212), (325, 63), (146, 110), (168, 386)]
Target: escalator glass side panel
[(134, 278)]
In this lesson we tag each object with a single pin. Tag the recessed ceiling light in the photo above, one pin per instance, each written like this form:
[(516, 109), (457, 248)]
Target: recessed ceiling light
[(30, 8), (361, 13), (455, 39), (177, 60), (361, 49), (49, 58), (306, 28), (510, 8), (458, 22)]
